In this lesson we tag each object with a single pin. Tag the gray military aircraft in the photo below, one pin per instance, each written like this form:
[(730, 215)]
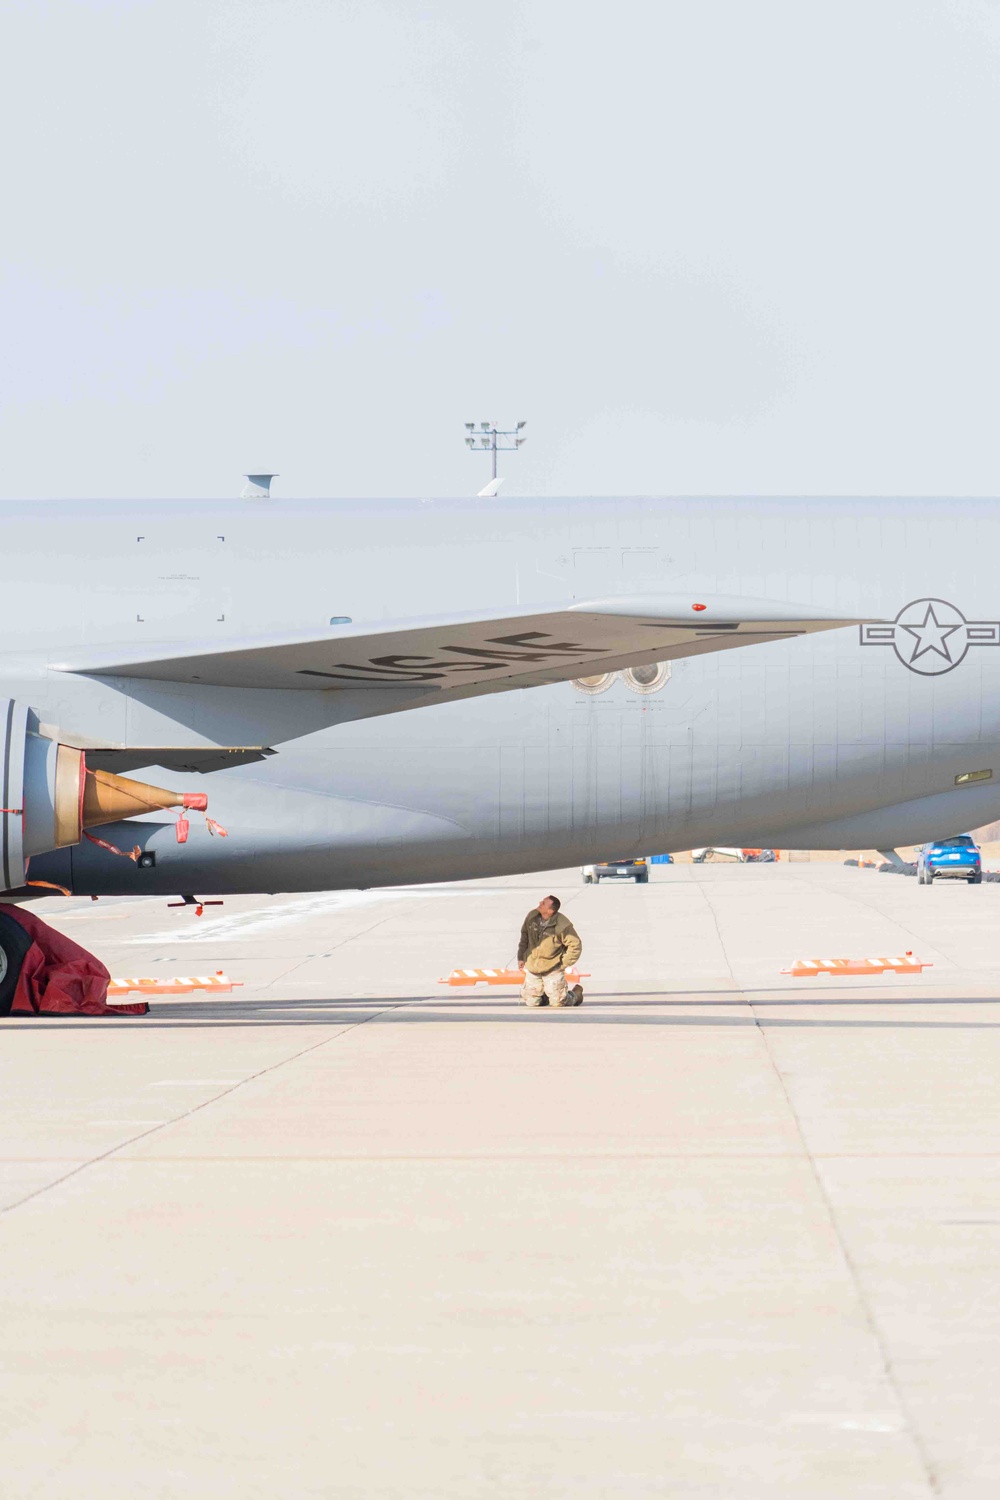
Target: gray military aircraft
[(378, 692)]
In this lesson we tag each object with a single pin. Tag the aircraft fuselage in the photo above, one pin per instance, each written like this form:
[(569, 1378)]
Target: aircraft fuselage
[(861, 737)]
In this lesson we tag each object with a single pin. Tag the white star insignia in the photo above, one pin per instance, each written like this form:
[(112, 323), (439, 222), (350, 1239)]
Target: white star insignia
[(931, 636)]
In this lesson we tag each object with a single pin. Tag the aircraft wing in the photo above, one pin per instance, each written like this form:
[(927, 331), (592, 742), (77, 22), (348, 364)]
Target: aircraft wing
[(390, 666), (200, 758)]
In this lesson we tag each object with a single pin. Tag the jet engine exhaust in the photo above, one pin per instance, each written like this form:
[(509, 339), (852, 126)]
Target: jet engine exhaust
[(108, 798), (49, 796)]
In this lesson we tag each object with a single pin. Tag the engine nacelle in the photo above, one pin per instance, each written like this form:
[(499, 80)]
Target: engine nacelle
[(48, 796), (41, 792)]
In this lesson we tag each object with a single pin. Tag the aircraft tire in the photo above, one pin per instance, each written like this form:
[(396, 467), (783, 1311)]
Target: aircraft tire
[(14, 944)]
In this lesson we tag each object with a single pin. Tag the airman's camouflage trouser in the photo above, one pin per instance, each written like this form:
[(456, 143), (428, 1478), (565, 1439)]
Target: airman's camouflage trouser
[(553, 985)]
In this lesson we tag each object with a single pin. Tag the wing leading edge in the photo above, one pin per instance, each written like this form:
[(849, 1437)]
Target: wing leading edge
[(398, 665)]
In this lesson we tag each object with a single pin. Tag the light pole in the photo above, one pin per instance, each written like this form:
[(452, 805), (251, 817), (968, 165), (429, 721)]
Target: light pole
[(494, 439)]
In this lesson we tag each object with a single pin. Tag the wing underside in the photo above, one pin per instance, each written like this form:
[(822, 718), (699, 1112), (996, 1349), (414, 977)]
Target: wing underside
[(398, 665)]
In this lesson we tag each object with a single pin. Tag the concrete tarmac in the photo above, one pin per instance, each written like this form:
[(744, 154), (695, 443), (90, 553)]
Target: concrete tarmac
[(717, 1235)]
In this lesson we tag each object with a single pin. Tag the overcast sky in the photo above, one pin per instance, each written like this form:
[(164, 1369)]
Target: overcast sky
[(700, 245)]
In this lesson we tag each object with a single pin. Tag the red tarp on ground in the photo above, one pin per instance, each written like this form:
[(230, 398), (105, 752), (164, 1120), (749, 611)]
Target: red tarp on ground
[(58, 977)]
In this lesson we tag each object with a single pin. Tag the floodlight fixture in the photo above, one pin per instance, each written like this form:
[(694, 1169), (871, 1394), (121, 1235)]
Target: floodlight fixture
[(494, 440)]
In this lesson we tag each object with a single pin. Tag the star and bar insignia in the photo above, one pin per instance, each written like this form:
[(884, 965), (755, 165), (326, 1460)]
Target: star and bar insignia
[(931, 636)]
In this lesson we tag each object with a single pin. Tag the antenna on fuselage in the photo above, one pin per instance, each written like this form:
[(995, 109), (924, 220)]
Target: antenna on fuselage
[(257, 487)]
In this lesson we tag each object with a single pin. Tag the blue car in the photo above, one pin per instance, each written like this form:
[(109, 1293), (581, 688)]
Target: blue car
[(957, 859)]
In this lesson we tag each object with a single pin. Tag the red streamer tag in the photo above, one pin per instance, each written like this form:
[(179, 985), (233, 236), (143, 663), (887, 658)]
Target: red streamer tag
[(49, 885), (214, 827), (183, 829), (132, 854)]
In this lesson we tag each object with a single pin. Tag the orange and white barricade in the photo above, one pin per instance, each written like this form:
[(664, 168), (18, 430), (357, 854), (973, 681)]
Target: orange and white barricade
[(209, 984), (808, 968), (462, 978)]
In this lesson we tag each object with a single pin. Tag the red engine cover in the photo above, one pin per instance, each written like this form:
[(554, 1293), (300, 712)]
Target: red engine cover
[(58, 977)]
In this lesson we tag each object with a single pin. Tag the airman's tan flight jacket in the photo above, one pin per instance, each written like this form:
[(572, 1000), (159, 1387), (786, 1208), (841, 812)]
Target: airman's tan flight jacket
[(542, 950)]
